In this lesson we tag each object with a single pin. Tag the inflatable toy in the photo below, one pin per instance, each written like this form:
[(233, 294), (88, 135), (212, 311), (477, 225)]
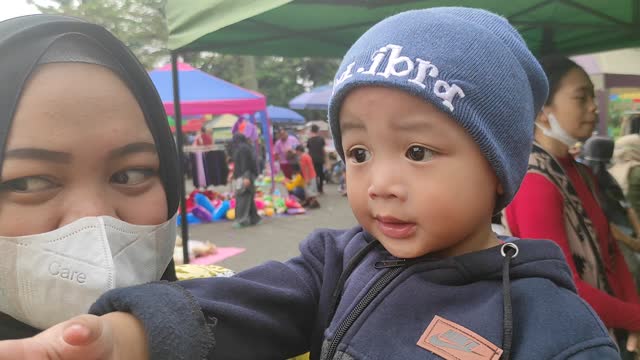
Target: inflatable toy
[(221, 211), (296, 211), (292, 204), (203, 200), (201, 213)]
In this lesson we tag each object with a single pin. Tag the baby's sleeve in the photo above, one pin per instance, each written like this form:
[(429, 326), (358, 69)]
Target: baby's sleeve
[(269, 311)]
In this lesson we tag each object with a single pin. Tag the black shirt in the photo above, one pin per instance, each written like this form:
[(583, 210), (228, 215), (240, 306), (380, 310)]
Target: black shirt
[(315, 144)]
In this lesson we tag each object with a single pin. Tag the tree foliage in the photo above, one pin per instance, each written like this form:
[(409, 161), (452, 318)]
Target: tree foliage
[(141, 24)]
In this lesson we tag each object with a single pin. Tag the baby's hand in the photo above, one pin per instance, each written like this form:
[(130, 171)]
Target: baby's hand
[(83, 337)]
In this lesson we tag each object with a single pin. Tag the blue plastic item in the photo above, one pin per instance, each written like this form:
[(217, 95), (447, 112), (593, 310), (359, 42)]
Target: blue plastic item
[(221, 211), (203, 200)]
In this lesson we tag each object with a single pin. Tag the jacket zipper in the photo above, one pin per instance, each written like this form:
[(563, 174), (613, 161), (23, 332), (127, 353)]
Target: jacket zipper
[(397, 267)]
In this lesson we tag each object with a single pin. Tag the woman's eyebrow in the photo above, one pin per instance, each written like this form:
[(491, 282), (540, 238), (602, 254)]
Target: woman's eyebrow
[(38, 154), (133, 148)]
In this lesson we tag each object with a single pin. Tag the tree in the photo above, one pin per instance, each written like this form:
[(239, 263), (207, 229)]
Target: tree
[(140, 24), (280, 79)]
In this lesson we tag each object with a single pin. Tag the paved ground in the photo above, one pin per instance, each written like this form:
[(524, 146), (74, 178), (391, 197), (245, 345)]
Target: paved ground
[(276, 238)]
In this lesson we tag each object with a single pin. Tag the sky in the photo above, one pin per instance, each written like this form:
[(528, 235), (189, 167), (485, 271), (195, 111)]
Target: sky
[(13, 8)]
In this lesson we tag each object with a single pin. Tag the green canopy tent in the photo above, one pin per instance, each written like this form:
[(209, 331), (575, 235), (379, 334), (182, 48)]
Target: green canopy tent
[(326, 28)]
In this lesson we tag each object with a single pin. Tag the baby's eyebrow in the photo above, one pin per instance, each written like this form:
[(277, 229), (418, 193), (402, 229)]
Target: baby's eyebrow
[(38, 154), (413, 126), (351, 125)]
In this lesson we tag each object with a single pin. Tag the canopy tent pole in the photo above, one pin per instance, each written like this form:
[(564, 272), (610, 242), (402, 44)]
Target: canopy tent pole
[(256, 144), (179, 140), (268, 145), (547, 47)]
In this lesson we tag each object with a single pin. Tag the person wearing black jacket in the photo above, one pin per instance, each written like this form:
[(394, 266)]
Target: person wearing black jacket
[(316, 145), (244, 174)]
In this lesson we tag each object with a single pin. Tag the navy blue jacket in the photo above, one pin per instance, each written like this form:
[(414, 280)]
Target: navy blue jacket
[(342, 302)]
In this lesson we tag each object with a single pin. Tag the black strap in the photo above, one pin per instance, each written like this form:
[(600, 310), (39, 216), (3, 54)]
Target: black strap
[(507, 327)]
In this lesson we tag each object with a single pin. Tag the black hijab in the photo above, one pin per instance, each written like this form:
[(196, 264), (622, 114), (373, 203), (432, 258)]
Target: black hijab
[(23, 42)]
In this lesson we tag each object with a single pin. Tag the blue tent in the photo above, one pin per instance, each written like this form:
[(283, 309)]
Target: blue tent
[(279, 114), (314, 99)]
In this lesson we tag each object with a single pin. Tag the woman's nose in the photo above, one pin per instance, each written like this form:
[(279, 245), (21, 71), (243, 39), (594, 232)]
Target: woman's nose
[(88, 202)]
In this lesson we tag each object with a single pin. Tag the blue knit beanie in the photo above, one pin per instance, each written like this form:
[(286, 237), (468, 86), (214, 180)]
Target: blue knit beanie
[(471, 64)]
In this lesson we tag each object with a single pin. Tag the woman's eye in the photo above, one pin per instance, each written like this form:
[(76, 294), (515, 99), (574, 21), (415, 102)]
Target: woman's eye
[(419, 153), (359, 155), (132, 176), (30, 184)]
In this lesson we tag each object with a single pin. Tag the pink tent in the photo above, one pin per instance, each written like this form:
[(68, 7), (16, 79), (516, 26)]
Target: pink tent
[(202, 93)]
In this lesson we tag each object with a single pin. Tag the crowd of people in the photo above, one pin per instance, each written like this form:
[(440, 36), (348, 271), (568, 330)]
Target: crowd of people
[(435, 145), (303, 170)]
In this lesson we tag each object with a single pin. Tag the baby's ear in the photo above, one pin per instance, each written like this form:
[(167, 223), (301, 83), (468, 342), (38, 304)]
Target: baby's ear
[(500, 189)]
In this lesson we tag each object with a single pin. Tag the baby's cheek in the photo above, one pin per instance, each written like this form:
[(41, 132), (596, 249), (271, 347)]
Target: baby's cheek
[(445, 212)]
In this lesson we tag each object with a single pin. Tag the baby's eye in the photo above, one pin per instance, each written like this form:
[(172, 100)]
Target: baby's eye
[(419, 153), (359, 155), (29, 184), (132, 176)]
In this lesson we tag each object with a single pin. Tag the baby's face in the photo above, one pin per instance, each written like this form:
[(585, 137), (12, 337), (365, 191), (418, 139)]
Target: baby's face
[(415, 179), (79, 146)]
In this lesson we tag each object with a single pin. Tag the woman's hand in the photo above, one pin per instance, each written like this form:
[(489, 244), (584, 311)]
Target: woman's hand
[(109, 337)]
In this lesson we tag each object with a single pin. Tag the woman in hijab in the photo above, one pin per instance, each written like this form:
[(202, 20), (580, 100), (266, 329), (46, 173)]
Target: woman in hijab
[(88, 172), (244, 173)]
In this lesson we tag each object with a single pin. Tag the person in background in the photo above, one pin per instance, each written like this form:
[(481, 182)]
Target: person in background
[(202, 138), (626, 168), (316, 144), (285, 151), (296, 185), (623, 220), (557, 201), (310, 178), (245, 173)]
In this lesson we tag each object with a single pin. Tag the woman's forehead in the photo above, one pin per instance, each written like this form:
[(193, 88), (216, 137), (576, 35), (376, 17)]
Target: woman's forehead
[(576, 78), (71, 100)]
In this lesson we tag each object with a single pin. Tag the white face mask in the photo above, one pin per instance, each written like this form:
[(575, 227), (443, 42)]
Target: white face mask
[(557, 132), (48, 278)]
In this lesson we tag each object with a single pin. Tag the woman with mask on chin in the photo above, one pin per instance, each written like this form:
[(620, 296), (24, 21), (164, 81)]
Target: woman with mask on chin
[(558, 201), (88, 172)]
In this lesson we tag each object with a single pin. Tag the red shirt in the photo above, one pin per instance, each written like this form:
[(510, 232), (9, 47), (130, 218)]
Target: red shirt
[(203, 140), (537, 212), (306, 167)]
